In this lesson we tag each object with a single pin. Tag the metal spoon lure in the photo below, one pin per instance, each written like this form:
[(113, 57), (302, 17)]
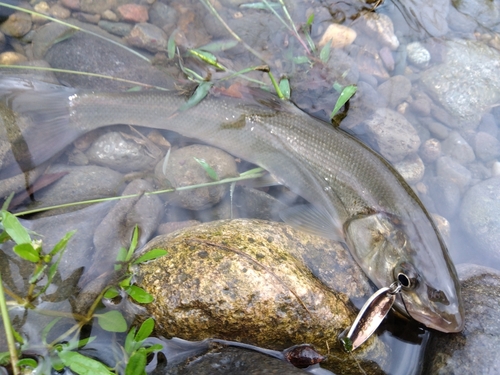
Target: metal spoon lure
[(370, 316)]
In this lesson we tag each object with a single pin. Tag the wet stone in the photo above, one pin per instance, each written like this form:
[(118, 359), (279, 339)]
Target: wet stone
[(430, 150), (248, 281), (437, 129), (133, 13), (124, 153), (381, 26), (116, 28), (12, 58), (17, 25), (93, 6), (87, 17), (418, 54), (453, 171), (82, 183), (147, 36), (411, 168), (488, 125), (467, 83), (457, 147), (479, 215), (421, 106), (71, 4), (487, 147), (392, 134), (446, 196), (475, 349), (184, 170), (395, 90), (162, 16), (339, 36)]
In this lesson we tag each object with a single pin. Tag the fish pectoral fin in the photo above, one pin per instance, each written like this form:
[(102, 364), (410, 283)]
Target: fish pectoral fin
[(313, 220)]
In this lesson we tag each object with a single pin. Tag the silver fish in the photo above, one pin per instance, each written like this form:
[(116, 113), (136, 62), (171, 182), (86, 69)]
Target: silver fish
[(356, 196)]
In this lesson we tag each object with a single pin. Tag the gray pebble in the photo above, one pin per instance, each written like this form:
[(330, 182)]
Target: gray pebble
[(421, 106), (163, 16), (453, 171), (487, 147), (430, 150), (458, 148), (116, 28), (184, 170), (122, 154), (418, 54), (147, 36), (479, 215), (82, 183), (437, 129), (395, 90), (488, 124), (392, 134), (446, 196), (411, 168)]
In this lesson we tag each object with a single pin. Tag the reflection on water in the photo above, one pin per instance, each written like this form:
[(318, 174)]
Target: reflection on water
[(428, 92)]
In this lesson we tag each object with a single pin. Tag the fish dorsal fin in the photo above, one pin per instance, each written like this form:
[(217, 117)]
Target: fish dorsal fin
[(313, 220)]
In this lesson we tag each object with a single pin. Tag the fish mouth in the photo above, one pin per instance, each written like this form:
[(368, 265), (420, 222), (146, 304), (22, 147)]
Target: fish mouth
[(445, 318)]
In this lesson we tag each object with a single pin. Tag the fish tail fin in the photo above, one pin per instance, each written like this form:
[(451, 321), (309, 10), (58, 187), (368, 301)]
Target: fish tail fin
[(35, 123)]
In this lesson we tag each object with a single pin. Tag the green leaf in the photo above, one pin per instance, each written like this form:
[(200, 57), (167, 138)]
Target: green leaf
[(27, 363), (133, 243), (199, 94), (324, 54), (219, 46), (111, 293), (150, 255), (61, 245), (207, 57), (153, 348), (83, 365), (139, 294), (301, 60), (130, 344), (145, 330), (136, 364), (112, 321), (345, 95), (13, 227), (285, 87), (38, 274), (27, 252), (208, 169), (310, 20), (4, 358), (171, 46)]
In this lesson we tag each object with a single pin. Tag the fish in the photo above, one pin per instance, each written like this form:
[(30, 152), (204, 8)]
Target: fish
[(355, 196)]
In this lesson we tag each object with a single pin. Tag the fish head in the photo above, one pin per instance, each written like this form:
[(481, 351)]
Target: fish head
[(412, 253)]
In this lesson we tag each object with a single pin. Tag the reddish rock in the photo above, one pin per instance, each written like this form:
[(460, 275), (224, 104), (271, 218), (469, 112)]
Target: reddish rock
[(133, 13)]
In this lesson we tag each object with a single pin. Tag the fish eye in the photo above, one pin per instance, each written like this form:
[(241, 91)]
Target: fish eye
[(406, 275)]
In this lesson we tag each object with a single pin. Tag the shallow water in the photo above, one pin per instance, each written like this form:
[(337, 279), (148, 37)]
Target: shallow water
[(411, 42)]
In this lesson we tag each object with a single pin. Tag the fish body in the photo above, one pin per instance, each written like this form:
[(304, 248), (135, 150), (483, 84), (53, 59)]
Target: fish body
[(358, 198)]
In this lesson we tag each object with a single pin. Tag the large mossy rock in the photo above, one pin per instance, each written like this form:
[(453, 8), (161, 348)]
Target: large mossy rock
[(238, 280)]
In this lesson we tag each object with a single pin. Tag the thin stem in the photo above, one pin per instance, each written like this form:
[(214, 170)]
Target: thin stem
[(233, 34), (85, 74), (256, 173), (8, 329)]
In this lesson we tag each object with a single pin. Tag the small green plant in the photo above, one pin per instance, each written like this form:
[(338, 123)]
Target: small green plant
[(64, 351)]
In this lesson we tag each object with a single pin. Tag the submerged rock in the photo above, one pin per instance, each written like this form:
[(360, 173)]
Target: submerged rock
[(467, 83), (183, 170), (479, 215), (250, 281), (475, 349)]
